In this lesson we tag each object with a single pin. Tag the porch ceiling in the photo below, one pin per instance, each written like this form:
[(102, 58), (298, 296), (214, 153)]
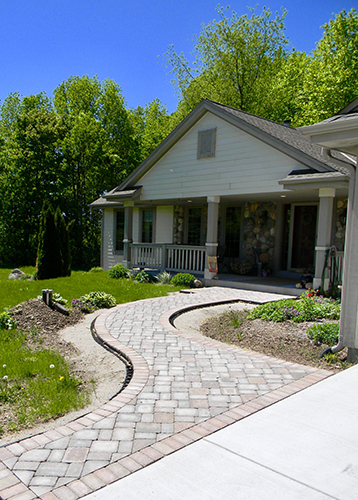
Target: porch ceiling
[(303, 193)]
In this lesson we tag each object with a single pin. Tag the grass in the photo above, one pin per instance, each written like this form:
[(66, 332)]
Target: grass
[(13, 292), (35, 384)]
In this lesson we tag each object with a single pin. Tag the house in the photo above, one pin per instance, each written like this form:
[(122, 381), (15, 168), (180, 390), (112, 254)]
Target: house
[(224, 183), (340, 133)]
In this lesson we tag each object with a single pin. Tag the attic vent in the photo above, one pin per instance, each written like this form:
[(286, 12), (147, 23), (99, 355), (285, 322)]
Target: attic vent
[(206, 143)]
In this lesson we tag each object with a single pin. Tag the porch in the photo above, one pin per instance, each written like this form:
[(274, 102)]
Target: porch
[(192, 259)]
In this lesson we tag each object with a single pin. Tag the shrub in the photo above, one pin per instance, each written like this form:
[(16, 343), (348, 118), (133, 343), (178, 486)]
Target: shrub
[(100, 299), (183, 279), (56, 297), (85, 307), (143, 277), (305, 309), (96, 270), (6, 321), (49, 262), (164, 277), (118, 271), (324, 333)]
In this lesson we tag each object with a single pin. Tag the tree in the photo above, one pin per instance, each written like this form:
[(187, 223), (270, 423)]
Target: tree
[(30, 172), (331, 78), (49, 262), (234, 59), (99, 150), (151, 124), (64, 242)]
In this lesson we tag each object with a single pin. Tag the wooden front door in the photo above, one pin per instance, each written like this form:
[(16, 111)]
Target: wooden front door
[(303, 236)]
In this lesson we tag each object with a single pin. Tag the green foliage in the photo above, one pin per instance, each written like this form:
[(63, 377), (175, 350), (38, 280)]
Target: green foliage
[(143, 277), (152, 124), (96, 270), (235, 58), (64, 243), (118, 271), (99, 299), (183, 279), (164, 277), (324, 333), (304, 309), (243, 61), (235, 318), (37, 383), (331, 75), (7, 322), (13, 292), (56, 297), (49, 262)]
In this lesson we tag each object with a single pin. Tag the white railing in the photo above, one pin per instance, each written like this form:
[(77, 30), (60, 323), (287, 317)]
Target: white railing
[(169, 257), (185, 258), (147, 255)]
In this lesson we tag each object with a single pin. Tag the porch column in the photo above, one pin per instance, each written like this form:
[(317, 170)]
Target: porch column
[(324, 233), (128, 233), (212, 233)]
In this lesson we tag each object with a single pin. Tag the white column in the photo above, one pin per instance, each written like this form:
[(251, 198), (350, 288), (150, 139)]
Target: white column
[(128, 225), (212, 233), (349, 310), (324, 233)]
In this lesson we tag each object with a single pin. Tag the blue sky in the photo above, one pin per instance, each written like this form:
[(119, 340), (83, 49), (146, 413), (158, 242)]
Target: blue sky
[(43, 42)]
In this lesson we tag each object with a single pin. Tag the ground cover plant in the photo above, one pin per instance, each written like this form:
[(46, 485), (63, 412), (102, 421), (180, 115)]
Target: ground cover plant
[(295, 330), (35, 383)]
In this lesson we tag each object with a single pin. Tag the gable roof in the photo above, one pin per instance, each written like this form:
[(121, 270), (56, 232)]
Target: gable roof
[(284, 138)]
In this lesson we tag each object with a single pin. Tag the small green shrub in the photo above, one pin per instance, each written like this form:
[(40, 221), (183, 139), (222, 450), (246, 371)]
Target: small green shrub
[(100, 299), (143, 277), (164, 277), (56, 297), (7, 322), (324, 333), (118, 271), (96, 270), (183, 279)]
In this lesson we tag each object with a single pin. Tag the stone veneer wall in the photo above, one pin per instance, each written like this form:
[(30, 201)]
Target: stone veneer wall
[(339, 230), (259, 232), (178, 225)]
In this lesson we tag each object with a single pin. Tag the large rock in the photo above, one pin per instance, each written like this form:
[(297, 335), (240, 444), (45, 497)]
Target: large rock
[(16, 274)]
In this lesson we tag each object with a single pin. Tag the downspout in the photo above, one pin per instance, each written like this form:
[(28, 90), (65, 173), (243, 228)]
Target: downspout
[(352, 174)]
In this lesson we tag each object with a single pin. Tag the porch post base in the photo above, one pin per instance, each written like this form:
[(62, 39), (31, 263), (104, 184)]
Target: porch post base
[(210, 276), (317, 283), (352, 356)]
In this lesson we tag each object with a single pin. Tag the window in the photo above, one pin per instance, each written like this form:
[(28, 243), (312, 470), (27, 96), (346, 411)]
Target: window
[(194, 226), (147, 226), (206, 143), (119, 230)]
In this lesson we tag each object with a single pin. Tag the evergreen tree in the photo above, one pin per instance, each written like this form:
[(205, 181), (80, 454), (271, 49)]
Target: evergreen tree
[(62, 231), (49, 262)]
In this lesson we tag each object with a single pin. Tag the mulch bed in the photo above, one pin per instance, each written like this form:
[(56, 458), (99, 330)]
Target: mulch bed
[(286, 340)]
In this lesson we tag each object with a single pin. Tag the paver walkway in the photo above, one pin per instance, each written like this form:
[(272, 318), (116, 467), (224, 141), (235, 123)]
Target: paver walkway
[(183, 387)]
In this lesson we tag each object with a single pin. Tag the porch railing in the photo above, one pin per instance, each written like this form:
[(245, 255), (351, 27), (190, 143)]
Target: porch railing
[(169, 257)]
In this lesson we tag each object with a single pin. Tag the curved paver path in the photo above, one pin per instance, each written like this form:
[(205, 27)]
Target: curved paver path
[(183, 387)]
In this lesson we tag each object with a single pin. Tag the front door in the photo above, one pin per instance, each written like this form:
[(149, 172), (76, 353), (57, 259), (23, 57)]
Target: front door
[(303, 236)]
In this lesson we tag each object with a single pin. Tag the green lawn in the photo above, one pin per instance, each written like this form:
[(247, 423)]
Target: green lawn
[(12, 292)]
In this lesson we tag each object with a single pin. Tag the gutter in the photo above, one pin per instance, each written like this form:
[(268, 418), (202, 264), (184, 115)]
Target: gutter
[(327, 154)]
